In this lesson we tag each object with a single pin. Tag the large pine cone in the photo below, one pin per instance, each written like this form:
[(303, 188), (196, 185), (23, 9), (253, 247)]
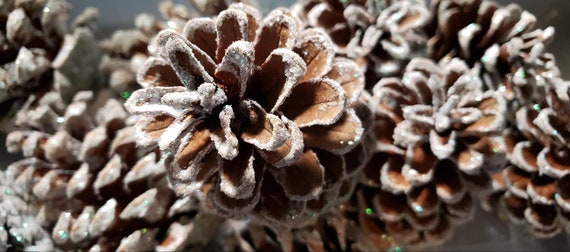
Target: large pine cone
[(240, 106), (91, 186)]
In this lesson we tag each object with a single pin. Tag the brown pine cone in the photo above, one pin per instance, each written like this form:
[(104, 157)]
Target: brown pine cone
[(433, 114), (240, 106), (381, 35), (467, 29), (534, 189), (416, 220), (91, 183)]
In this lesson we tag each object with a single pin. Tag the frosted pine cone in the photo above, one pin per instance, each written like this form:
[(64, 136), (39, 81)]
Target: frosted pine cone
[(467, 29), (38, 54), (90, 182), (19, 229), (381, 35), (250, 105), (534, 187), (437, 113), (416, 220)]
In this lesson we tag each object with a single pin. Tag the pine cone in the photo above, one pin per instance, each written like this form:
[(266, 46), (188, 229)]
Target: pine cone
[(437, 137), (246, 111), (415, 220), (38, 54), (381, 35), (534, 187), (19, 229), (437, 114), (468, 28), (92, 185)]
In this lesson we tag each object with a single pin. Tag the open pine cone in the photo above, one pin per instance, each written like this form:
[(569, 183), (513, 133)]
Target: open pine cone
[(436, 138), (534, 188), (381, 35), (436, 113), (251, 105), (91, 186)]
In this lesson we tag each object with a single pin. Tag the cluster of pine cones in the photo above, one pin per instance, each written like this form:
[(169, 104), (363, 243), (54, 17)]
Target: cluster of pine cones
[(332, 125)]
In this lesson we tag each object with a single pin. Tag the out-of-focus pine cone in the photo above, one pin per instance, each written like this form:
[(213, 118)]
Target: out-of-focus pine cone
[(436, 139), (381, 35), (502, 39), (241, 105), (434, 113), (214, 7), (534, 188), (19, 229), (90, 183), (335, 230), (38, 53), (415, 220), (126, 50), (467, 29)]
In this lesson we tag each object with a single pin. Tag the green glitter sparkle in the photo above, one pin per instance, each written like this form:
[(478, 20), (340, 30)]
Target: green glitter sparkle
[(368, 211), (397, 249), (125, 94), (144, 230), (8, 192), (536, 107), (62, 235)]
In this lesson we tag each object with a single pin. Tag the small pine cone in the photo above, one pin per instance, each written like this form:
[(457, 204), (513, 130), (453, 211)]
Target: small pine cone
[(442, 122), (392, 41), (340, 19), (381, 35), (534, 189), (93, 187), (467, 29), (38, 54), (19, 229), (261, 107)]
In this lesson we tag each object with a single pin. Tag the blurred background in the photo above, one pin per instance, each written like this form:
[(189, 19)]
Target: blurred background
[(485, 231)]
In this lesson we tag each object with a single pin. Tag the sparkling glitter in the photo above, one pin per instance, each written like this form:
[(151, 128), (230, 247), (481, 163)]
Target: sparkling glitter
[(556, 195), (144, 230), (536, 107), (62, 234), (125, 94), (496, 149), (419, 209), (368, 211), (145, 202), (520, 29), (398, 249), (555, 132), (8, 192), (521, 73), (59, 119)]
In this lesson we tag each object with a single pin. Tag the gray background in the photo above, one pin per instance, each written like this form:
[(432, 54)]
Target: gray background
[(486, 231)]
